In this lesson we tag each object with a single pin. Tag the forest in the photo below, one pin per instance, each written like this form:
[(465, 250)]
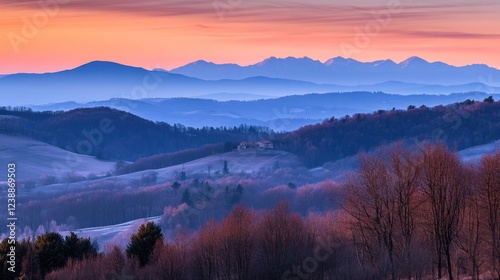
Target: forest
[(403, 213), (111, 134), (460, 125)]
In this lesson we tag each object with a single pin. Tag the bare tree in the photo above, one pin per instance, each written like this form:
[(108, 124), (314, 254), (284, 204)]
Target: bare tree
[(372, 201), (167, 263), (471, 236), (489, 191), (284, 242), (205, 252), (444, 188), (405, 172), (238, 246), (31, 263)]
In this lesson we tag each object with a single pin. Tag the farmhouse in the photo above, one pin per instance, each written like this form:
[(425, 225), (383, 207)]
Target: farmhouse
[(265, 145), (260, 145)]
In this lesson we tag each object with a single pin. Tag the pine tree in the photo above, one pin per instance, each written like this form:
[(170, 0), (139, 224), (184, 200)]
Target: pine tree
[(51, 251), (142, 243), (186, 198), (176, 185), (183, 176), (78, 248), (489, 99)]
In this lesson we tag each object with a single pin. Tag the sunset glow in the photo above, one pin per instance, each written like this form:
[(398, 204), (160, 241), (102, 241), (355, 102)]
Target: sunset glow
[(168, 34)]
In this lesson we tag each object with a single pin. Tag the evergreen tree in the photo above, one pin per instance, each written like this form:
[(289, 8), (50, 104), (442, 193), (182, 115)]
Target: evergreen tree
[(225, 170), (183, 176), (51, 252), (142, 243), (176, 185), (196, 182), (186, 198), (78, 248), (235, 197), (208, 191), (489, 99), (239, 189)]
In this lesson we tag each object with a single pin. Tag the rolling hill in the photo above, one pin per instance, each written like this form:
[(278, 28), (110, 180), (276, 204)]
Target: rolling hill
[(111, 134), (35, 159), (280, 114)]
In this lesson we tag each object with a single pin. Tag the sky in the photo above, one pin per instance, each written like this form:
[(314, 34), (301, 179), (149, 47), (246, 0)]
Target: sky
[(50, 35)]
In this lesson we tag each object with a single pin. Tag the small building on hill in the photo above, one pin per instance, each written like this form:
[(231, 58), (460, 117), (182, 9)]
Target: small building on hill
[(265, 145), (260, 145), (245, 146)]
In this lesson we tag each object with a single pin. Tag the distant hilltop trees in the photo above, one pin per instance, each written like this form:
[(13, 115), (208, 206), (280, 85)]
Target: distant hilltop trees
[(111, 134), (460, 125)]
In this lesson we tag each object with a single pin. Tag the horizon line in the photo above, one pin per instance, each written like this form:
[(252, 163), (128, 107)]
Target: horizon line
[(245, 65)]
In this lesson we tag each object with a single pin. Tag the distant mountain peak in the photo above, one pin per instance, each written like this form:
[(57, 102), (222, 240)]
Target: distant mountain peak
[(267, 60), (414, 60), (340, 60), (201, 61), (99, 63), (378, 63), (103, 66), (290, 59), (159, 70)]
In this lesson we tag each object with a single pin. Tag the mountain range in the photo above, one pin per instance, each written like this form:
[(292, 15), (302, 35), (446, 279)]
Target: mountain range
[(345, 71), (101, 80)]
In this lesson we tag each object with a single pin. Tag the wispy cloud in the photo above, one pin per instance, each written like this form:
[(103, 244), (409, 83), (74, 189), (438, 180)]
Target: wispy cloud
[(172, 31), (276, 10), (145, 7), (445, 34)]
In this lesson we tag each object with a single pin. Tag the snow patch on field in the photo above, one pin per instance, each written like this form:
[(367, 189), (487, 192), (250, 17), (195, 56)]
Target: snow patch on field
[(247, 161), (475, 153), (113, 234), (35, 159)]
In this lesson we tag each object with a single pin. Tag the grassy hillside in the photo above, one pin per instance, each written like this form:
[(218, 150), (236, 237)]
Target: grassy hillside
[(35, 159)]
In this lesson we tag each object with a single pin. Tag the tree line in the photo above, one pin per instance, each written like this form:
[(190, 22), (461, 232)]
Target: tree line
[(112, 134), (171, 159), (461, 125), (48, 252), (425, 212)]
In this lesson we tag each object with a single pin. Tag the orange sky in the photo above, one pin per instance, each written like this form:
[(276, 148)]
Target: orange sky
[(167, 34)]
